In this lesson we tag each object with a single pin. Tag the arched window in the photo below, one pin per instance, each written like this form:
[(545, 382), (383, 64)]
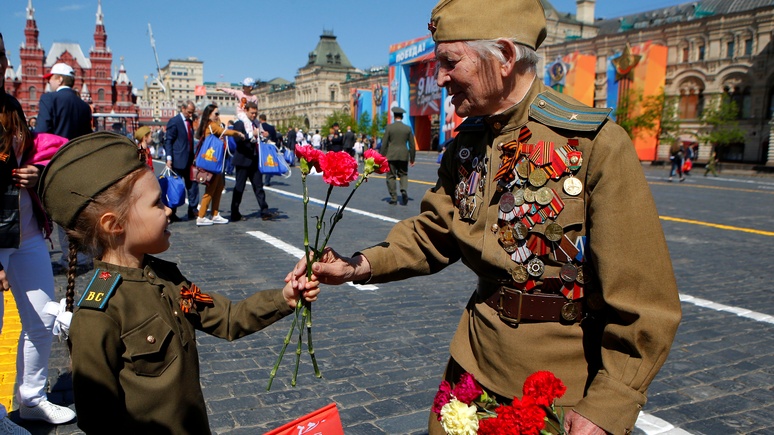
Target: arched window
[(691, 102), (101, 95), (33, 93)]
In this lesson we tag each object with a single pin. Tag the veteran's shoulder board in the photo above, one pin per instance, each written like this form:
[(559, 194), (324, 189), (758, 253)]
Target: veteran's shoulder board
[(550, 109), (102, 286)]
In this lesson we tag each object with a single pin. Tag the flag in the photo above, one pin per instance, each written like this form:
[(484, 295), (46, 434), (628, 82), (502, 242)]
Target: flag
[(324, 421)]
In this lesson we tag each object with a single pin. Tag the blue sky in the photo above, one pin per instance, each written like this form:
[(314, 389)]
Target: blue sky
[(239, 38)]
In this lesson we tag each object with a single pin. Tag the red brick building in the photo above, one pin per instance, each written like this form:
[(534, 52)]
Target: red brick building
[(111, 98)]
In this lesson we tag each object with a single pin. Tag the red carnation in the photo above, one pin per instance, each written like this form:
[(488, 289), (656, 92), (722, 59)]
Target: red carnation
[(522, 417), (442, 397), (467, 389), (544, 388), (338, 168), (311, 154), (381, 165)]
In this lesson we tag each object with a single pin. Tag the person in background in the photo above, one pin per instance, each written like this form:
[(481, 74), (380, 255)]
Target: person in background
[(712, 164), (335, 139), (62, 112), (349, 141), (210, 125), (25, 265), (676, 156), (32, 122), (179, 149), (317, 139), (143, 138), (146, 307), (398, 147), (578, 282), (243, 97), (269, 135), (359, 147)]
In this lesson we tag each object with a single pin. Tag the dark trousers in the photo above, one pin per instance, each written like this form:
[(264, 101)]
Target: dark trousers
[(191, 188), (398, 169), (243, 174)]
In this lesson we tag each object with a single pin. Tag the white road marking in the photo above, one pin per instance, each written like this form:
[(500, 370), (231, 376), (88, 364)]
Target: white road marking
[(334, 206), (653, 425), (298, 253), (741, 312)]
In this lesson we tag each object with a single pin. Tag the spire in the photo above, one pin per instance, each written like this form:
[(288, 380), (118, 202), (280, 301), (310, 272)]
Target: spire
[(100, 17), (30, 11)]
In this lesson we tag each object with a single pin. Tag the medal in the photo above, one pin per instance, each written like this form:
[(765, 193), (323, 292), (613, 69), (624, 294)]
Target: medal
[(569, 272), (575, 160), (523, 168), (529, 195), (544, 196), (570, 312), (573, 186), (579, 276), (520, 231), (518, 198), (507, 239), (507, 202), (519, 274), (554, 232), (535, 267), (464, 154), (538, 177)]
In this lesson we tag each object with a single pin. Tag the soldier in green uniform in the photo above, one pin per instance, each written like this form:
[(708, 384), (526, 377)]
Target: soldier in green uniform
[(544, 199), (398, 148), (133, 338)]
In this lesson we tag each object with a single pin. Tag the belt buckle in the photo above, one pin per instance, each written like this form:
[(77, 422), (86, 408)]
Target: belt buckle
[(502, 316)]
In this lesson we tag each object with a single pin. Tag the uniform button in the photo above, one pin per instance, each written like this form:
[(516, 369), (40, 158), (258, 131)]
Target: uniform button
[(151, 339), (176, 313), (541, 103), (151, 275), (497, 126)]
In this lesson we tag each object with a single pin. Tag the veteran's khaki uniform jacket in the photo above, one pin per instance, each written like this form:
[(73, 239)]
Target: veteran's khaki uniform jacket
[(135, 364), (608, 361)]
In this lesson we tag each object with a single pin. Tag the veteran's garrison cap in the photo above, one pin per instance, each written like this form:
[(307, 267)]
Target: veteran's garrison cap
[(82, 169), (470, 20)]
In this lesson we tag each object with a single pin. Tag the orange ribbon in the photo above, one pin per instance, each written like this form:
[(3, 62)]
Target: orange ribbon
[(192, 296)]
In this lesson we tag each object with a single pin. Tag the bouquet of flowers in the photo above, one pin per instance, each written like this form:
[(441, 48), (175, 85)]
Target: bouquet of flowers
[(338, 169), (466, 409)]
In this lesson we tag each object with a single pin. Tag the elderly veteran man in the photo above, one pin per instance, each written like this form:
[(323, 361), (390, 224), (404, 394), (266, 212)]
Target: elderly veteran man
[(544, 199)]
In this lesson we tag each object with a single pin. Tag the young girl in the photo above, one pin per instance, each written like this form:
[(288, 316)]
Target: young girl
[(133, 343)]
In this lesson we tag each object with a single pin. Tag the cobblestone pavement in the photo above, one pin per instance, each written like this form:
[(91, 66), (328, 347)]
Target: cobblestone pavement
[(382, 351)]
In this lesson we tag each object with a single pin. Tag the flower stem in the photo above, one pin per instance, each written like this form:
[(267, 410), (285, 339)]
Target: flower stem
[(309, 345), (298, 348), (340, 210), (282, 353)]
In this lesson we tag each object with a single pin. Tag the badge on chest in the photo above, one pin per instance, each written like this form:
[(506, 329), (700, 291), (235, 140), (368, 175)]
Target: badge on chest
[(102, 286)]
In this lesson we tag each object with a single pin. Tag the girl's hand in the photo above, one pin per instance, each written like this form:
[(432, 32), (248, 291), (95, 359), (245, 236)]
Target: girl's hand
[(296, 288), (4, 285), (26, 176)]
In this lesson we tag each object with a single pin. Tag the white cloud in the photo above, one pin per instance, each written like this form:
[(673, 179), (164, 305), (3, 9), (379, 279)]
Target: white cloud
[(73, 7)]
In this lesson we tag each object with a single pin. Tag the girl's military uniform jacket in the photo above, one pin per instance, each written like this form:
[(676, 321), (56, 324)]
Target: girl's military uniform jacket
[(134, 357), (608, 359)]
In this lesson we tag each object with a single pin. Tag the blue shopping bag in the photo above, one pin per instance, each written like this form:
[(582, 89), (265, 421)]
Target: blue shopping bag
[(172, 188), (211, 155), (290, 157), (269, 160)]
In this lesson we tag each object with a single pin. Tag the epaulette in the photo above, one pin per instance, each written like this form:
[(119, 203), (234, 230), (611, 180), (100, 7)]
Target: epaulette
[(475, 123), (552, 111), (102, 286)]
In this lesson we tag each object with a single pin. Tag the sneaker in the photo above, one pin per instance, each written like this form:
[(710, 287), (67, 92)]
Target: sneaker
[(48, 412), (201, 222), (218, 219), (7, 427)]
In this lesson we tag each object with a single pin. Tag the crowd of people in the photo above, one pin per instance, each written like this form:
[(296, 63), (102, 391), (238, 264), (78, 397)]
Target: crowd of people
[(551, 214)]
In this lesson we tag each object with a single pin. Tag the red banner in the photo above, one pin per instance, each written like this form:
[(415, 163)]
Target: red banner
[(324, 421), (424, 93)]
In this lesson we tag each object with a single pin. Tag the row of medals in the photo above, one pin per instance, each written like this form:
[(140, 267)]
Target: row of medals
[(531, 202)]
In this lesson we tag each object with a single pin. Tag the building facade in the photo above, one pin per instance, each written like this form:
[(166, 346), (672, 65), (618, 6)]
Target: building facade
[(715, 48), (111, 97)]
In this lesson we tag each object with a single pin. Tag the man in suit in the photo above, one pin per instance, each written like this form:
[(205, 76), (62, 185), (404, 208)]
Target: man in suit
[(398, 147), (245, 162), (63, 112), (179, 148), (349, 142)]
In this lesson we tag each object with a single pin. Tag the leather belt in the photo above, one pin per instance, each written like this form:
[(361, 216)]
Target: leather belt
[(514, 306)]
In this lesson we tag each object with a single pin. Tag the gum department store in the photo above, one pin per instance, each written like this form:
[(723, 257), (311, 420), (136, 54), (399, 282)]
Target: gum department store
[(715, 47)]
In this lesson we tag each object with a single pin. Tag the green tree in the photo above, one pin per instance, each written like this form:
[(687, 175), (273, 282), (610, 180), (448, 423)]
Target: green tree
[(719, 123), (637, 114), (294, 121), (670, 121), (344, 120), (377, 127), (364, 123)]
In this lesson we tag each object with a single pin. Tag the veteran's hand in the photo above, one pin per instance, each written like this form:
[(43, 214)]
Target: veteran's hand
[(294, 289), (26, 176), (334, 269), (576, 424)]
